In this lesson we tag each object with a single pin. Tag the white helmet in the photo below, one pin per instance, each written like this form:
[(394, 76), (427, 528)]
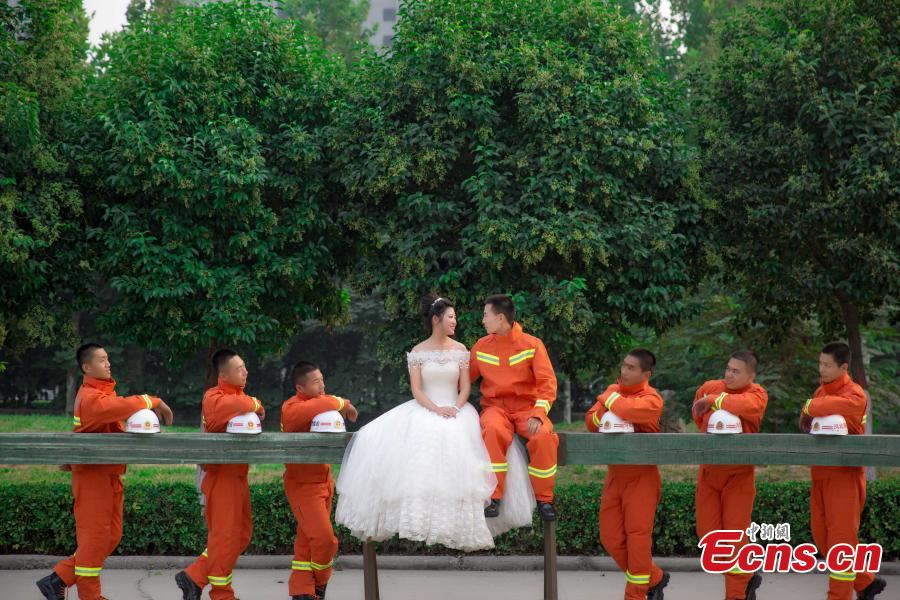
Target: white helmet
[(611, 423), (247, 423), (143, 421), (329, 421), (722, 421), (830, 425)]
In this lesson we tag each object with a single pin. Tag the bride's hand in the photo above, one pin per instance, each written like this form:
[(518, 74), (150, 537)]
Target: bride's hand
[(448, 412)]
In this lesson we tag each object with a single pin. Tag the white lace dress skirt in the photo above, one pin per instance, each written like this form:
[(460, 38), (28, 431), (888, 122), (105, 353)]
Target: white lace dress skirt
[(414, 473)]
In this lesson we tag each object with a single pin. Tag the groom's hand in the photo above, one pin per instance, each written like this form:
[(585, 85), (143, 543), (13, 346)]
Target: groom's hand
[(534, 425)]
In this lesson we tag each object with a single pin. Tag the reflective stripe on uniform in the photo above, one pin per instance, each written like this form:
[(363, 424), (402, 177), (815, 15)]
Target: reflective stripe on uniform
[(542, 473), (806, 406), (87, 571), (637, 578), (521, 357), (319, 567), (596, 420), (718, 401), (147, 400), (612, 398), (845, 576), (220, 581), (300, 565), (487, 358), (545, 404), (205, 552), (500, 467)]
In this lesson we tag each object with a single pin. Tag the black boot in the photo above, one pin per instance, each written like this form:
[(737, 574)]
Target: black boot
[(189, 589), (656, 592), (547, 511), (873, 589), (52, 587), (493, 509), (320, 592), (752, 585), (303, 597)]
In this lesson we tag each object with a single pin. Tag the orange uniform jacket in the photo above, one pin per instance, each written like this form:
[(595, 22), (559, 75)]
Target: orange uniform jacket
[(641, 405), (221, 404), (840, 397), (99, 410), (515, 368), (748, 404), (297, 414)]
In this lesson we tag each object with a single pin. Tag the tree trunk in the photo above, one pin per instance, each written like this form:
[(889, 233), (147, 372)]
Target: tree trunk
[(72, 372), (211, 377), (567, 400), (857, 365)]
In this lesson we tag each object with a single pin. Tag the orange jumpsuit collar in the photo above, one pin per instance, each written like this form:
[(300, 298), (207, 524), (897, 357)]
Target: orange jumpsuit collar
[(229, 388), (834, 386), (104, 385), (630, 390)]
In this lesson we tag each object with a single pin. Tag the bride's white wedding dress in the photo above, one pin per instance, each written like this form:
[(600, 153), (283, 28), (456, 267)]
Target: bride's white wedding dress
[(427, 478)]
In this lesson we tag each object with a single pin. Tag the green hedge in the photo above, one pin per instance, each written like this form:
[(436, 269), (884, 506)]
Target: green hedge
[(164, 519)]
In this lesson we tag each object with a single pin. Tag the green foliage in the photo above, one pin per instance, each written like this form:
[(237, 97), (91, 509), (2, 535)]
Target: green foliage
[(42, 266), (38, 519), (529, 147), (799, 129), (218, 225), (338, 23)]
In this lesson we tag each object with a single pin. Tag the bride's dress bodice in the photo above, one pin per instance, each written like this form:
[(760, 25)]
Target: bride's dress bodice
[(440, 373)]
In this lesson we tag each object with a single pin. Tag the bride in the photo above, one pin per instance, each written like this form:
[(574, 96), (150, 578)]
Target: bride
[(421, 469)]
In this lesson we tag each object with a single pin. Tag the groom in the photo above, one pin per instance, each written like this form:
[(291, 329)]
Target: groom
[(518, 388)]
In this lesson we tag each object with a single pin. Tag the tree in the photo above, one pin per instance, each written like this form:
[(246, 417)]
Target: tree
[(799, 128), (529, 147), (338, 23), (215, 218), (43, 265), (138, 10)]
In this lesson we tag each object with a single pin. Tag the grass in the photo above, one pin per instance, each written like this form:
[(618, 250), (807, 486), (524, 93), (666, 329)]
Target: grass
[(266, 473)]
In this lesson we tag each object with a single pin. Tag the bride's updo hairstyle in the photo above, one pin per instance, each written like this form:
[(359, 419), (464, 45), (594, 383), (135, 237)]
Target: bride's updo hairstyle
[(433, 305)]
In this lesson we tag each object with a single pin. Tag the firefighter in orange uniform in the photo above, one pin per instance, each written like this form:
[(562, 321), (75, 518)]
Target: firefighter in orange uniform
[(518, 389), (725, 493), (838, 494), (97, 488), (631, 492), (309, 487), (228, 519)]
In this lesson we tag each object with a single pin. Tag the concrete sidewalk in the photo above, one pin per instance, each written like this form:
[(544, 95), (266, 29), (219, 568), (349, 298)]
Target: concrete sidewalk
[(265, 584)]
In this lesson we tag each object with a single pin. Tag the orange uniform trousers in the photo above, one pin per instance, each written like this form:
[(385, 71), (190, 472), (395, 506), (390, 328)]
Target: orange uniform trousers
[(98, 527), (627, 511), (499, 422), (315, 544), (724, 500), (837, 497), (229, 529)]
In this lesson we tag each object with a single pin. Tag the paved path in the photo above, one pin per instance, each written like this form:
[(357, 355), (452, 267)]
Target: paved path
[(263, 584)]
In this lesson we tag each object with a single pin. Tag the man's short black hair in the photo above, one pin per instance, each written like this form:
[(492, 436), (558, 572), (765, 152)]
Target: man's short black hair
[(221, 358), (85, 352), (503, 305), (301, 370), (839, 351), (748, 357), (645, 357)]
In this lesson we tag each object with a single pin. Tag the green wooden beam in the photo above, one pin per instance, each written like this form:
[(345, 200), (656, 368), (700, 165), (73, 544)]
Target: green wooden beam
[(747, 449), (575, 448)]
